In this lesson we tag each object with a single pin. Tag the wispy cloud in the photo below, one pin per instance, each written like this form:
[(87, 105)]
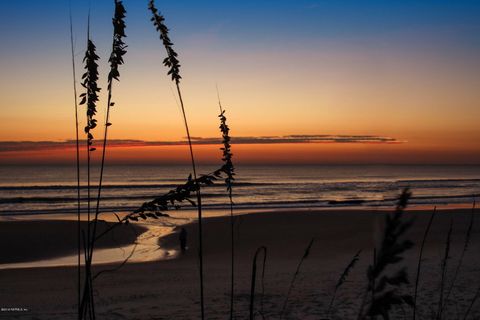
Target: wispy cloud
[(18, 146), (312, 6)]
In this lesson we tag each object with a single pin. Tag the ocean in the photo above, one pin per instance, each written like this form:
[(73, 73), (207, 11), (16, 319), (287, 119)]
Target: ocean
[(52, 189)]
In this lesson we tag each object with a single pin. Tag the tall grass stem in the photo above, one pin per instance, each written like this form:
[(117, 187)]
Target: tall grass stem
[(254, 279), (116, 59), (419, 264), (342, 279), (297, 271), (444, 271), (174, 70), (464, 250), (77, 160)]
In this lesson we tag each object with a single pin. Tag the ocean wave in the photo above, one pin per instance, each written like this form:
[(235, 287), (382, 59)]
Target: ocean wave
[(302, 203), (122, 186), (441, 180), (16, 200), (374, 185)]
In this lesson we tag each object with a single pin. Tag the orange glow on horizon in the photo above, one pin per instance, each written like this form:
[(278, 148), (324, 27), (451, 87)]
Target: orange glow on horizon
[(300, 153)]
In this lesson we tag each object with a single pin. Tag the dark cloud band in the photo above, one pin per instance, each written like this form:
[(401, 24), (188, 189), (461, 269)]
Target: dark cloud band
[(17, 146)]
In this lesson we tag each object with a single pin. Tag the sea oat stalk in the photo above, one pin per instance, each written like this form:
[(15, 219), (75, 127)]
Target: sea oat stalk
[(89, 99), (116, 59), (172, 62), (230, 172)]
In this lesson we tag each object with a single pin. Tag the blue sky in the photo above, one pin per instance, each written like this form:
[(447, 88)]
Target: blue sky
[(252, 22), (403, 69)]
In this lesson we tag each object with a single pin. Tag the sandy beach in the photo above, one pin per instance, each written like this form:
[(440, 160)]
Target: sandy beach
[(169, 289)]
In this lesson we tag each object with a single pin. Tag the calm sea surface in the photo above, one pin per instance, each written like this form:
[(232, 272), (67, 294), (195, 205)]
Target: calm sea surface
[(50, 189)]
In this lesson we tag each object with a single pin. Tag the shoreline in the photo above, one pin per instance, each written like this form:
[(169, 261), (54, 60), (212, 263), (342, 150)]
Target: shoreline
[(63, 254), (340, 205), (356, 204)]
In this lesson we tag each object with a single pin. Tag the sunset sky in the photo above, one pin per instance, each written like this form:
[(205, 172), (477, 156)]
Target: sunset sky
[(406, 74)]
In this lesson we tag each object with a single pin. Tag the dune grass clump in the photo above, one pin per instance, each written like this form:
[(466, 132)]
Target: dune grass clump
[(385, 276)]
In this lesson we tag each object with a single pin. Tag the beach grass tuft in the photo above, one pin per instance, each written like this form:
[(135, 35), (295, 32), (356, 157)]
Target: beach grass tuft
[(385, 281)]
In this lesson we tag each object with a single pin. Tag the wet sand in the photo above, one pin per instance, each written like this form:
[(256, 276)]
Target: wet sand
[(23, 241)]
